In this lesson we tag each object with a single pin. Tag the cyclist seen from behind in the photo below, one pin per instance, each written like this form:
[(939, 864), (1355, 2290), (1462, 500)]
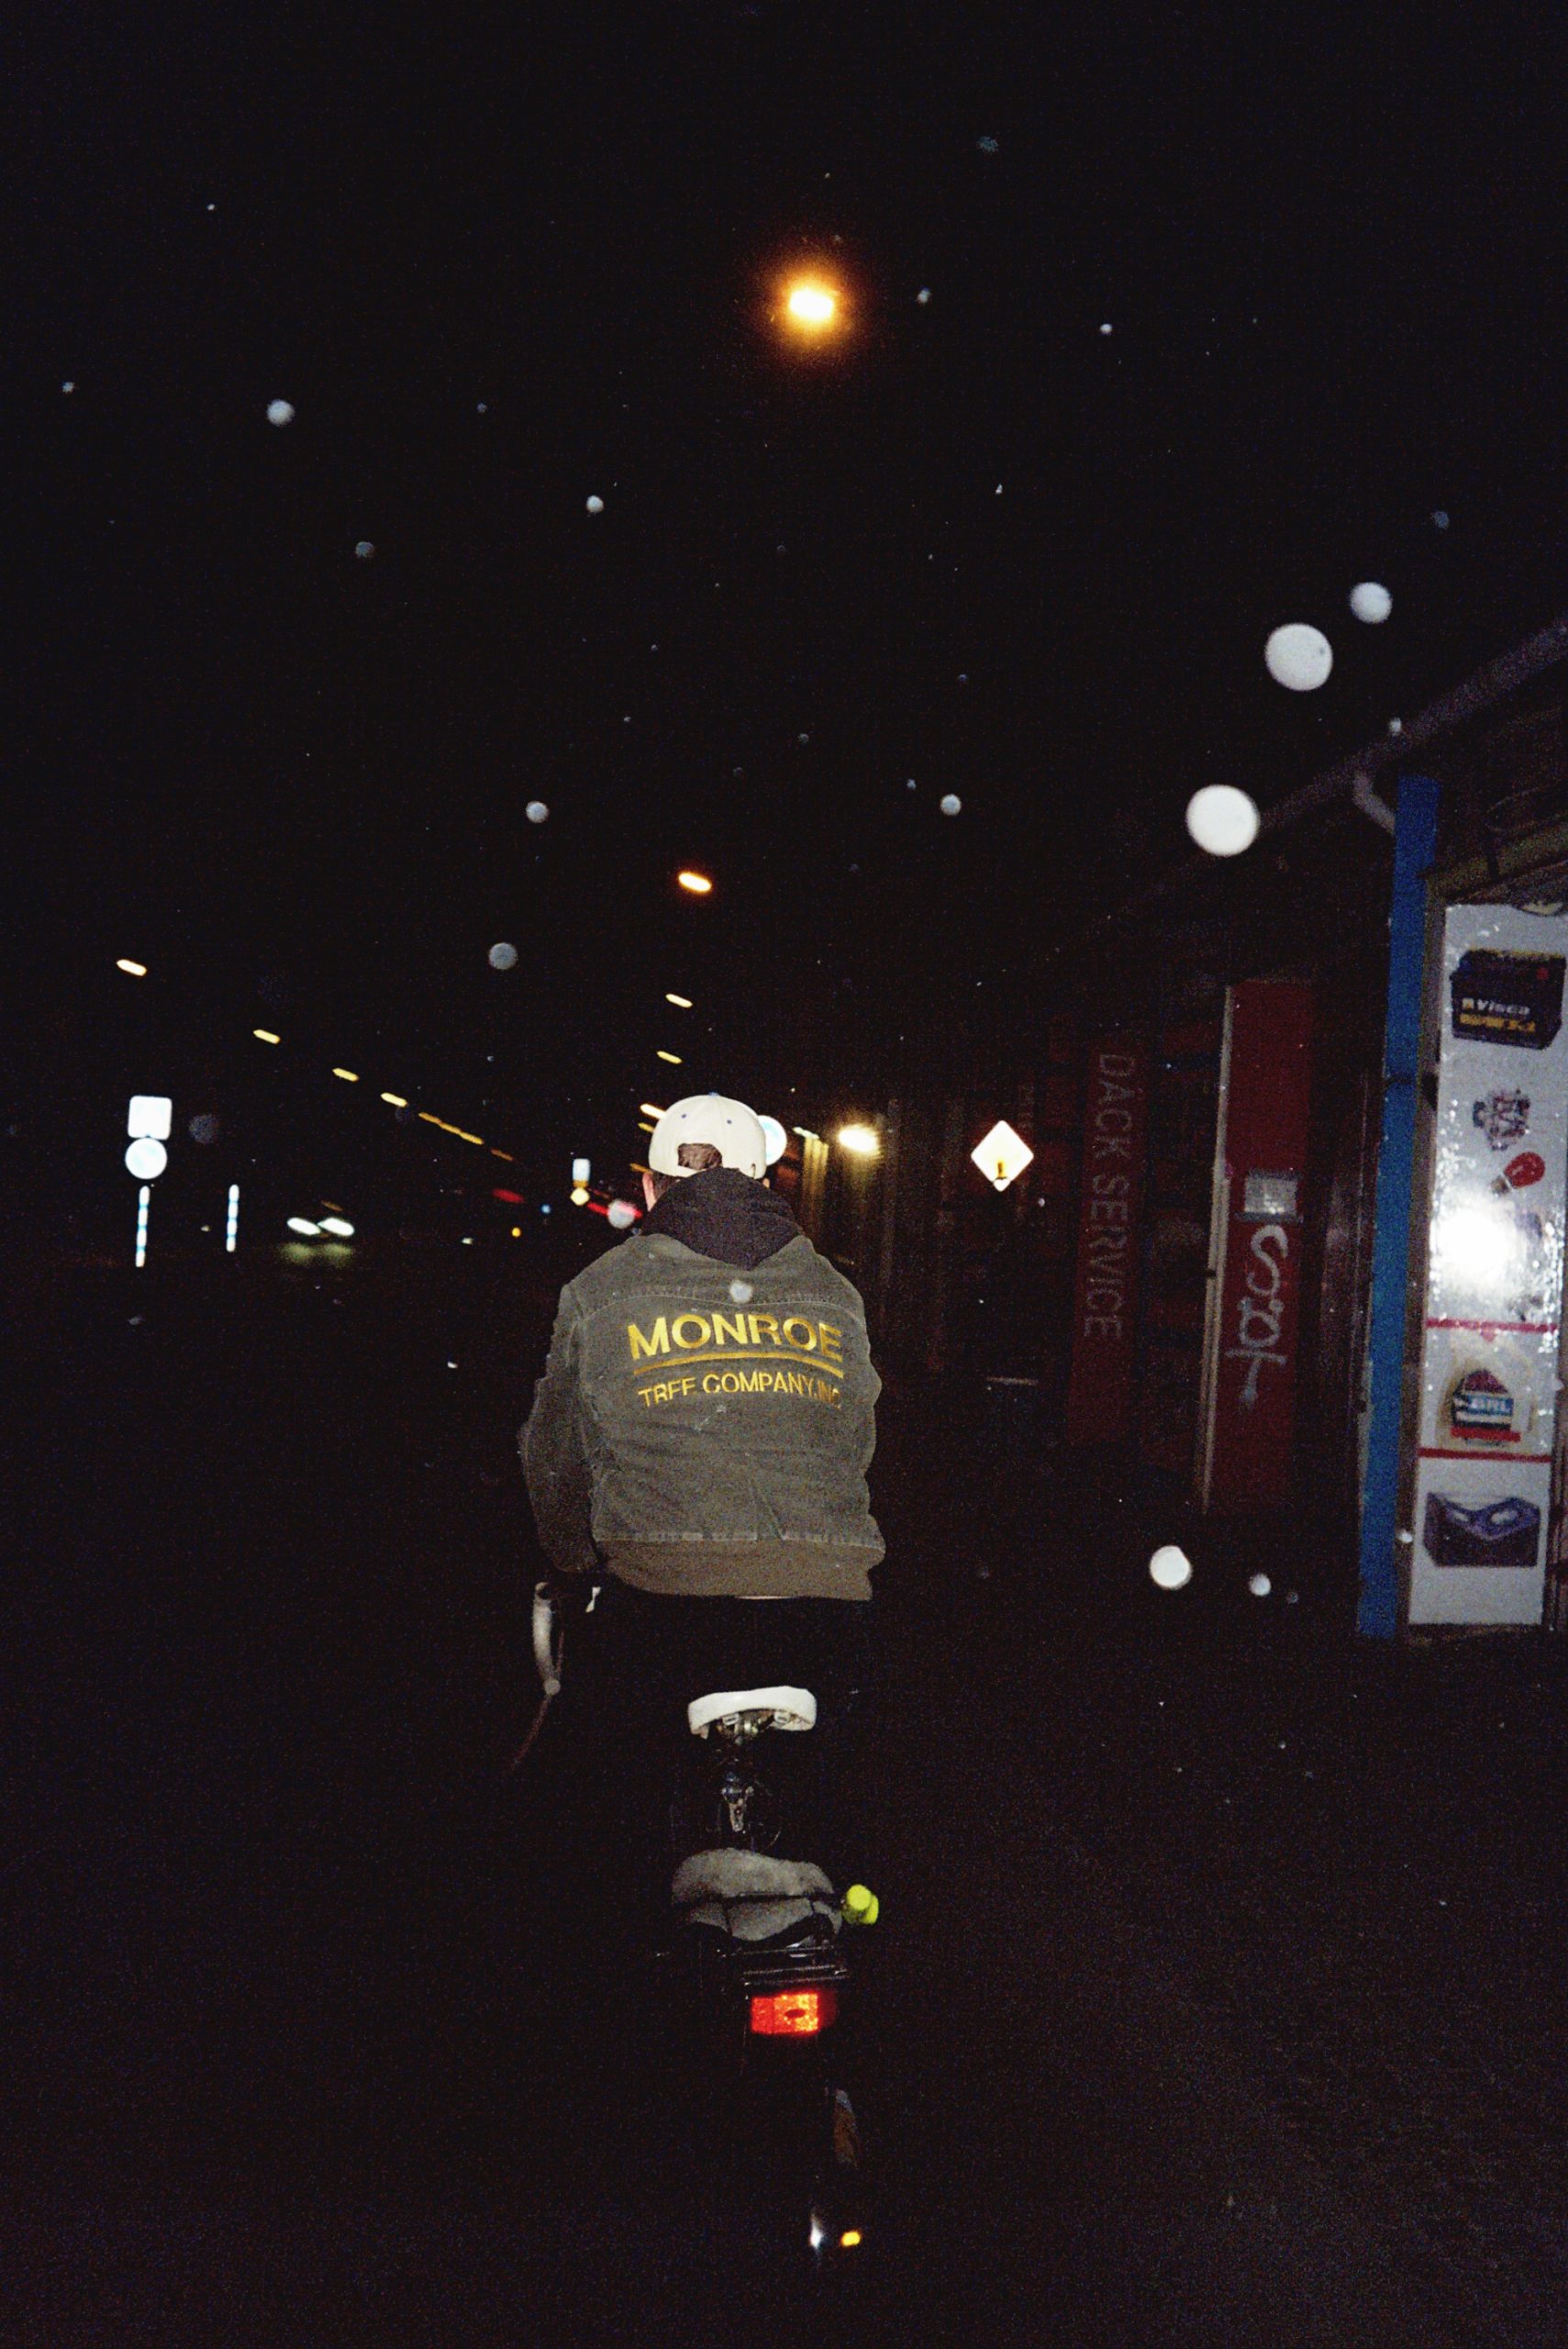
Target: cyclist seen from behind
[(699, 1444)]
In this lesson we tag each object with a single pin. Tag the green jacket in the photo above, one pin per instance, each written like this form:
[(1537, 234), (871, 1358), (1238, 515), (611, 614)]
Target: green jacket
[(705, 1425)]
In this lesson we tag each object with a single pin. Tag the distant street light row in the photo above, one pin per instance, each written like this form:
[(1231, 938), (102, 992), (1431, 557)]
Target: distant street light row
[(351, 1077), (398, 1101)]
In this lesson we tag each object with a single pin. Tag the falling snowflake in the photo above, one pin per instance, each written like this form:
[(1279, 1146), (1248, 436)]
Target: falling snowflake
[(1371, 602), (502, 957), (1170, 1568), (1223, 819), (924, 295), (1260, 1586), (1439, 519), (742, 1292), (803, 737), (986, 146), (280, 412), (951, 803), (595, 505), (1106, 329), (365, 548), (1396, 726), (1298, 657), (537, 812), (68, 387), (911, 785), (620, 1214)]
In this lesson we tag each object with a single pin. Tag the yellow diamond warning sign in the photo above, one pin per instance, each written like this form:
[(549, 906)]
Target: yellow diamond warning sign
[(1002, 1156)]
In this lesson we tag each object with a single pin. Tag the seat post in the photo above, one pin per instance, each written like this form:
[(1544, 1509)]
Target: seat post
[(733, 1740)]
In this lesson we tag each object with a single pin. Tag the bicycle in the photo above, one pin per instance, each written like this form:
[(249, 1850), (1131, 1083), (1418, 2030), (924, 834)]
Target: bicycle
[(755, 1958)]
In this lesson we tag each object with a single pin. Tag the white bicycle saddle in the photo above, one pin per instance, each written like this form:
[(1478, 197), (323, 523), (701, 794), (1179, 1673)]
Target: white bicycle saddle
[(789, 1708)]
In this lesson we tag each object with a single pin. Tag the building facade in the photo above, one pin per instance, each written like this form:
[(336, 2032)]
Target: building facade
[(1290, 1247)]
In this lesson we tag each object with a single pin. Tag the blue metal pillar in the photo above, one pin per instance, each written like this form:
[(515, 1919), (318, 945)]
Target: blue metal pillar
[(1415, 846)]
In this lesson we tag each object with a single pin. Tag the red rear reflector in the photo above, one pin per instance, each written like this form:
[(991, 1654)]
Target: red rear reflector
[(793, 2014)]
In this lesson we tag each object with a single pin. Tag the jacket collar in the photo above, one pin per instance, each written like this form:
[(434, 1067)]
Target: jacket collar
[(725, 1215)]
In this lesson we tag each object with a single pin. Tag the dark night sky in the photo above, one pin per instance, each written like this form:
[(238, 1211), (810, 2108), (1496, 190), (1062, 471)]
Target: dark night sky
[(1332, 260)]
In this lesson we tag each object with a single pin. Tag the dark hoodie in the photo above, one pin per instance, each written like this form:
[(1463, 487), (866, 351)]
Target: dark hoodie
[(705, 1419), (724, 1215)]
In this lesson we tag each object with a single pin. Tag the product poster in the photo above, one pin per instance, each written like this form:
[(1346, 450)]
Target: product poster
[(1489, 1364)]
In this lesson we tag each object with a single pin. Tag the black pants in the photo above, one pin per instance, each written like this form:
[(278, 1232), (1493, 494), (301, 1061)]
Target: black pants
[(651, 1655)]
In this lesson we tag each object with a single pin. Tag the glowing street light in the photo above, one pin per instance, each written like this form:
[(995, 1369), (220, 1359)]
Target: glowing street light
[(337, 1227), (305, 1229), (347, 1075), (859, 1140), (131, 970), (696, 883), (578, 1195), (673, 1058), (812, 305), (265, 1035), (648, 1110), (231, 1236), (396, 1099), (680, 1002)]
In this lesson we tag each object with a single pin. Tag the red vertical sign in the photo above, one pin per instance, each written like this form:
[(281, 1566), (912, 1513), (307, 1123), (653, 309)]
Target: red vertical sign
[(1268, 1094), (1104, 1305)]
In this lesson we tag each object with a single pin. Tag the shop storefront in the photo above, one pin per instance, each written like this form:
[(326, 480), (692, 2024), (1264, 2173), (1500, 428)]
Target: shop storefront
[(1480, 1473), (1463, 1520)]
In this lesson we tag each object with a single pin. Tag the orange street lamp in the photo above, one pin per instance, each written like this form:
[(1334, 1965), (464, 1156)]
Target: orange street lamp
[(812, 305), (697, 883)]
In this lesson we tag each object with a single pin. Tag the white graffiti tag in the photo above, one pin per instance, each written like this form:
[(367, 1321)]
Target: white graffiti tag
[(1261, 1309)]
